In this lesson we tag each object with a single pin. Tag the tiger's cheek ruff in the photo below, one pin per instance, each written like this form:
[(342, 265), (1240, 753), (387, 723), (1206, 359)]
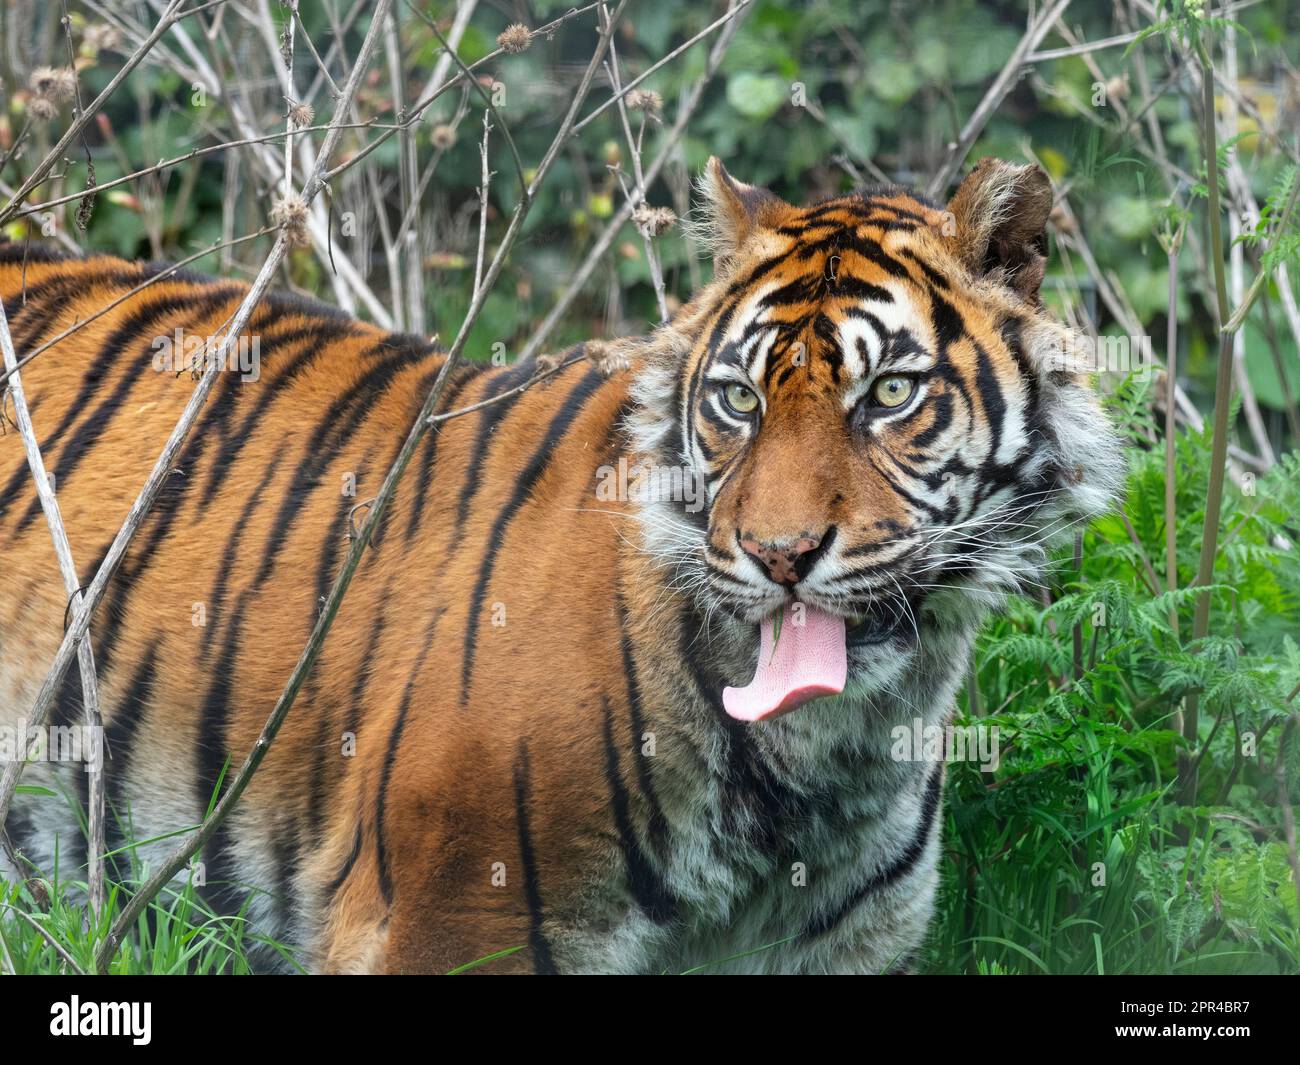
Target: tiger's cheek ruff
[(657, 432)]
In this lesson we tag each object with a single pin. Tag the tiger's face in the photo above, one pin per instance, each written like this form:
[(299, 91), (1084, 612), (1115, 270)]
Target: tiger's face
[(871, 396)]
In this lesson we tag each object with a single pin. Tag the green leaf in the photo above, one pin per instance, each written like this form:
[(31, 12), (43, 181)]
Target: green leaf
[(757, 96)]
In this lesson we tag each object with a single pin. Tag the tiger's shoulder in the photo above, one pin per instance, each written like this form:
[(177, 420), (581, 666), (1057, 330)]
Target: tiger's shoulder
[(31, 262), (110, 350)]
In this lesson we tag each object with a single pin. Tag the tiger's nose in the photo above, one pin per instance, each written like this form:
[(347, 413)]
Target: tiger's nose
[(787, 561)]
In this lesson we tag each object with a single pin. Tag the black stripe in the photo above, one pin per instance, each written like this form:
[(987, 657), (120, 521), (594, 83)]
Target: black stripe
[(318, 336), (658, 823), (70, 713), (348, 864), (424, 478), (120, 739), (285, 848), (849, 287), (217, 597), (800, 290), (390, 759), (18, 252), (29, 318), (364, 672), (489, 420), (123, 339), (214, 714), (326, 742), (163, 514), (947, 322), (903, 865), (695, 374), (346, 416), (647, 886), (899, 213), (743, 284), (992, 400), (543, 962), (825, 331), (871, 250), (91, 376), (215, 711), (288, 846), (524, 484), (941, 408), (337, 530), (937, 279), (887, 226), (322, 743)]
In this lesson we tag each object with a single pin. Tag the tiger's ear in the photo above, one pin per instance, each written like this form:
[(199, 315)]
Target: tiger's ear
[(998, 217), (732, 210)]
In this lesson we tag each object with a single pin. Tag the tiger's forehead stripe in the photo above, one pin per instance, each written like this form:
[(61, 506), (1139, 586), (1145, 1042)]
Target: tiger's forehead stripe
[(834, 277)]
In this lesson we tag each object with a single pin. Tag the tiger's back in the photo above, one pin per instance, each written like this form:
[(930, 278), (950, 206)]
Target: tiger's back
[(222, 584)]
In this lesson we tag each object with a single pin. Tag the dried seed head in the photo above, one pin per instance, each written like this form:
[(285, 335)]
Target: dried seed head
[(291, 216), (1062, 221), (301, 115), (56, 84), (443, 136), (608, 359), (548, 362), (41, 109), (646, 100), (653, 220), (514, 39), (100, 36)]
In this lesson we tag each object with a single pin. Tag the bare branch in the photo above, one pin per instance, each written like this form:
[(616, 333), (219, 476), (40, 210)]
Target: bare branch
[(997, 92), (68, 572), (730, 23), (169, 19)]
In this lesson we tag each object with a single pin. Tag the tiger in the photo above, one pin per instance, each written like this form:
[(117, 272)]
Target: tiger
[(572, 716)]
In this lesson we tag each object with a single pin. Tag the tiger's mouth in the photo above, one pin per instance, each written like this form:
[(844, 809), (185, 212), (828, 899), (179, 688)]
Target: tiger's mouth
[(879, 624), (803, 654)]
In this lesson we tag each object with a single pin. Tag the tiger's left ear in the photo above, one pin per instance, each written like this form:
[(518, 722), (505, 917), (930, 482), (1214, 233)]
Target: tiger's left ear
[(999, 218), (733, 210)]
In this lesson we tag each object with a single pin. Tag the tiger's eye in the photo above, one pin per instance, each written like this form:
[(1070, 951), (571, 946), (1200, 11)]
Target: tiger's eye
[(741, 399), (892, 390)]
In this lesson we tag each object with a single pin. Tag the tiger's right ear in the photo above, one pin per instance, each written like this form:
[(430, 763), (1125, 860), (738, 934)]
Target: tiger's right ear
[(732, 210), (999, 214)]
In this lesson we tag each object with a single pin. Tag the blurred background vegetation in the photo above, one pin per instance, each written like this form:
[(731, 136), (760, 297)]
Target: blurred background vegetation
[(810, 99), (1075, 856)]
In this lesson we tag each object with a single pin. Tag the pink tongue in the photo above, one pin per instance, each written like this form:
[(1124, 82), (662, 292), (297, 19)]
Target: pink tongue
[(808, 660)]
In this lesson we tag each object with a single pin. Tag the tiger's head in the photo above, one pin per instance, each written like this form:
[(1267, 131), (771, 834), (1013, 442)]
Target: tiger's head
[(875, 405)]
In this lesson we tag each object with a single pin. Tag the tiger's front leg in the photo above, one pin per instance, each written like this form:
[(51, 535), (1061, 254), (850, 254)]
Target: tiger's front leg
[(443, 870)]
